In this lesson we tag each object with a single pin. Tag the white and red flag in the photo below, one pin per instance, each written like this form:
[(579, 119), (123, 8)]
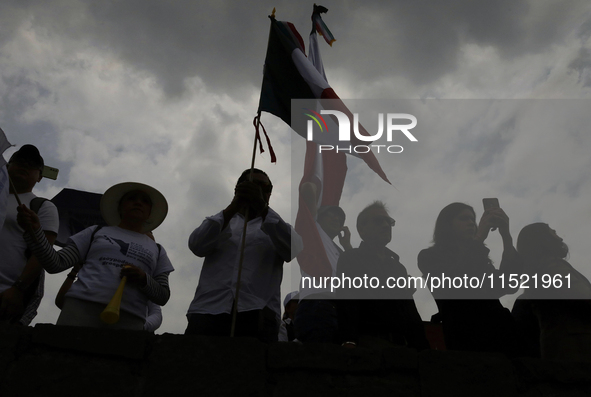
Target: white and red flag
[(290, 75), (327, 171), (319, 26)]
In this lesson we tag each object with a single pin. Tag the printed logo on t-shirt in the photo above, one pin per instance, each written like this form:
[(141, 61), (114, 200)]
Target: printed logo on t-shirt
[(130, 250), (124, 247)]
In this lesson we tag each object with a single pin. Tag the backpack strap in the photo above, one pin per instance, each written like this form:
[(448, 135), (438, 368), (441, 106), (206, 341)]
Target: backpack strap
[(36, 204), (99, 227)]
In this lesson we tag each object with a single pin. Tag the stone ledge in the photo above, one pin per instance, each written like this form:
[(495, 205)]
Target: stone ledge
[(128, 344), (69, 361)]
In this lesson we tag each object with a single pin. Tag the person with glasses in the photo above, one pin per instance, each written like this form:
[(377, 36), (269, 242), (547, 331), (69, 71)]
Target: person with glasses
[(376, 309), (268, 245), (472, 315)]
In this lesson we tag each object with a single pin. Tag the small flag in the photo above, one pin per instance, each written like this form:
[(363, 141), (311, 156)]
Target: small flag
[(319, 26), (326, 170), (4, 144)]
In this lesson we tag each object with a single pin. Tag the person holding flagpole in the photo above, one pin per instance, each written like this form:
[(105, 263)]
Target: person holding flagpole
[(21, 275), (267, 247)]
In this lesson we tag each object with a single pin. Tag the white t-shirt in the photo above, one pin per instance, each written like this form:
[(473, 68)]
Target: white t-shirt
[(112, 247), (332, 253), (269, 244), (12, 243)]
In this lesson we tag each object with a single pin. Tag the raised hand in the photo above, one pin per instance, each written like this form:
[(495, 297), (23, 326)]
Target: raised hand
[(27, 219)]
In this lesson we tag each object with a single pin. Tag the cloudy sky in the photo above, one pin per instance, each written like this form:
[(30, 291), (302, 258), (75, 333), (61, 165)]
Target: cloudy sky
[(164, 93)]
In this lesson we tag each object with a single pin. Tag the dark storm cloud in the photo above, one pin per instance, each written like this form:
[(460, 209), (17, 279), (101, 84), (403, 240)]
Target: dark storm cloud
[(224, 42), (582, 66), (19, 93), (491, 145), (421, 40)]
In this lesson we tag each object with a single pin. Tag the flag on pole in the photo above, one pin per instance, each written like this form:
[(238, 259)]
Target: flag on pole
[(290, 75), (327, 171), (319, 26), (4, 144), (330, 167), (4, 181)]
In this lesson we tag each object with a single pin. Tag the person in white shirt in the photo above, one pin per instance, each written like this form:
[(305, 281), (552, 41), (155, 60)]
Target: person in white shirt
[(109, 253), (267, 247), (21, 275)]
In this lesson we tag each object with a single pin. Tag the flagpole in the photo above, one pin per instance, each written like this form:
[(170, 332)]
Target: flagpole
[(18, 200), (246, 213), (243, 240)]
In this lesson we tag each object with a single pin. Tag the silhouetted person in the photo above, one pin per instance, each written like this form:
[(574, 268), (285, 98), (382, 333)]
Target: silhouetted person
[(376, 316), (21, 275), (268, 246), (562, 299), (473, 319), (106, 254), (154, 311), (316, 318), (290, 306)]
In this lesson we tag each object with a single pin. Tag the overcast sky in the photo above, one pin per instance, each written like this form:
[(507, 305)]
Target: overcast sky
[(164, 93)]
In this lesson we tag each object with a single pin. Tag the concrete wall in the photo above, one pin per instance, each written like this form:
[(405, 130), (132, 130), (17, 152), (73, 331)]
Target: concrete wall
[(63, 361)]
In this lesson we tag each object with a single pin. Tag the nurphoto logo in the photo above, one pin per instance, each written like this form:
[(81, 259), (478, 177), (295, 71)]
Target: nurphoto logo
[(392, 125)]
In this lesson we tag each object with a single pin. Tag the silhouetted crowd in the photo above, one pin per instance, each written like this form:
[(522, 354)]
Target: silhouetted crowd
[(119, 276)]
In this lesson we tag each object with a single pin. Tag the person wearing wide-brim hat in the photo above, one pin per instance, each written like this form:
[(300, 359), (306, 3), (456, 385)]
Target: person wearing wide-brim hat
[(108, 253)]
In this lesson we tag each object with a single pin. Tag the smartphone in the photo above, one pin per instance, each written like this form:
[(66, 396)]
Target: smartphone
[(49, 172), (490, 203)]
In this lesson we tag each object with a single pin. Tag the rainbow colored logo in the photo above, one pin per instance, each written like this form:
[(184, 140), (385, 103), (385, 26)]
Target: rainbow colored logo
[(315, 116)]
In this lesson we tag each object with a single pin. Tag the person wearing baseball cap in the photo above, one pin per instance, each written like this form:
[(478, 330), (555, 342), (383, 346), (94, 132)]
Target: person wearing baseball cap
[(109, 253), (21, 275)]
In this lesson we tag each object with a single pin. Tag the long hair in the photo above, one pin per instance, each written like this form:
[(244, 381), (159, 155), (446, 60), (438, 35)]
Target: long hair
[(535, 241), (443, 235)]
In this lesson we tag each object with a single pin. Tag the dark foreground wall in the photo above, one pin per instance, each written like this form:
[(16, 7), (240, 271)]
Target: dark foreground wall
[(62, 361)]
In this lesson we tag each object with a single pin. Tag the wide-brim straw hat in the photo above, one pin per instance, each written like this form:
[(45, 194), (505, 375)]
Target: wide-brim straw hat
[(114, 194)]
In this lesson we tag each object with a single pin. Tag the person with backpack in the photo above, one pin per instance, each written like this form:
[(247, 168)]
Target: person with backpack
[(153, 317), (106, 254), (21, 275)]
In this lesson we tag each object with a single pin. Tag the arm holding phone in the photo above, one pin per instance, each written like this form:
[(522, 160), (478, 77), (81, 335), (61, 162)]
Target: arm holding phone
[(494, 217)]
